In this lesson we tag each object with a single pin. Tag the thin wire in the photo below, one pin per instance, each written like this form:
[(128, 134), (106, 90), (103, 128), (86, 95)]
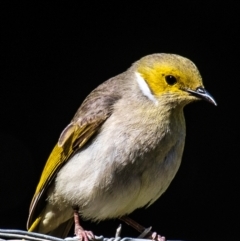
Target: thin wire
[(19, 235)]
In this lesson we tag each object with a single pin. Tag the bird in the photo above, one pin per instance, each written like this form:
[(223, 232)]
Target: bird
[(122, 148)]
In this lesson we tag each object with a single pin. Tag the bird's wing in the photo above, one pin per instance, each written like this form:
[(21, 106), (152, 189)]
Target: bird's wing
[(75, 137), (96, 108)]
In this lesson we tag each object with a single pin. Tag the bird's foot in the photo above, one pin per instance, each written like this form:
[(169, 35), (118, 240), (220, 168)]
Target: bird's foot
[(145, 232), (83, 235), (157, 237)]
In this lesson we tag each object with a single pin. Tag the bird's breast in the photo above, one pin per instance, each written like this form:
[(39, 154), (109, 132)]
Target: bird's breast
[(121, 169)]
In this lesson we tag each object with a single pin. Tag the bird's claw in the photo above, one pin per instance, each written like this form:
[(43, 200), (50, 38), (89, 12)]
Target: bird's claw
[(84, 235), (157, 237), (151, 235)]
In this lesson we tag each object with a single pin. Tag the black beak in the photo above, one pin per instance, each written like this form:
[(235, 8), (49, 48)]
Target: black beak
[(203, 94)]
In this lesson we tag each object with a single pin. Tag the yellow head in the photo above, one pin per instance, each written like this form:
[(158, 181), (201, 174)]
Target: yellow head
[(171, 75)]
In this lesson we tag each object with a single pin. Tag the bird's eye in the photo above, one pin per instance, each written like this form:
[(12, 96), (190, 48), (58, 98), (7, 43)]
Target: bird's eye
[(170, 79)]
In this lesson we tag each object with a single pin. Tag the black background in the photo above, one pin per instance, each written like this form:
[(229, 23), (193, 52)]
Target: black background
[(54, 54)]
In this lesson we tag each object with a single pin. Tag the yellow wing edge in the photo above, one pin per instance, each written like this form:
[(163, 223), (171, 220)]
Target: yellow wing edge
[(72, 138)]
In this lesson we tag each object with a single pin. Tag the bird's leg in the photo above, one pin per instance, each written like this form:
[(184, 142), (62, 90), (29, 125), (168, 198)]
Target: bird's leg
[(83, 235), (145, 232)]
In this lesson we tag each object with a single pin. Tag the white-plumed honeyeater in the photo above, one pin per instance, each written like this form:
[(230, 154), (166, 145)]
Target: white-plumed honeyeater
[(121, 150)]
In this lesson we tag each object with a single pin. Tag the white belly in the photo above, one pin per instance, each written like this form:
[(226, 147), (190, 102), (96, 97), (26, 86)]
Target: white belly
[(105, 184)]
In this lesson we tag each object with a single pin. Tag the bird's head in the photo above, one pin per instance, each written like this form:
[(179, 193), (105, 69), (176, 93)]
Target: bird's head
[(172, 76)]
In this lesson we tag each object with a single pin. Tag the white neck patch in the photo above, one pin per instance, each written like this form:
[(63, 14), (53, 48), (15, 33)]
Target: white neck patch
[(145, 88)]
